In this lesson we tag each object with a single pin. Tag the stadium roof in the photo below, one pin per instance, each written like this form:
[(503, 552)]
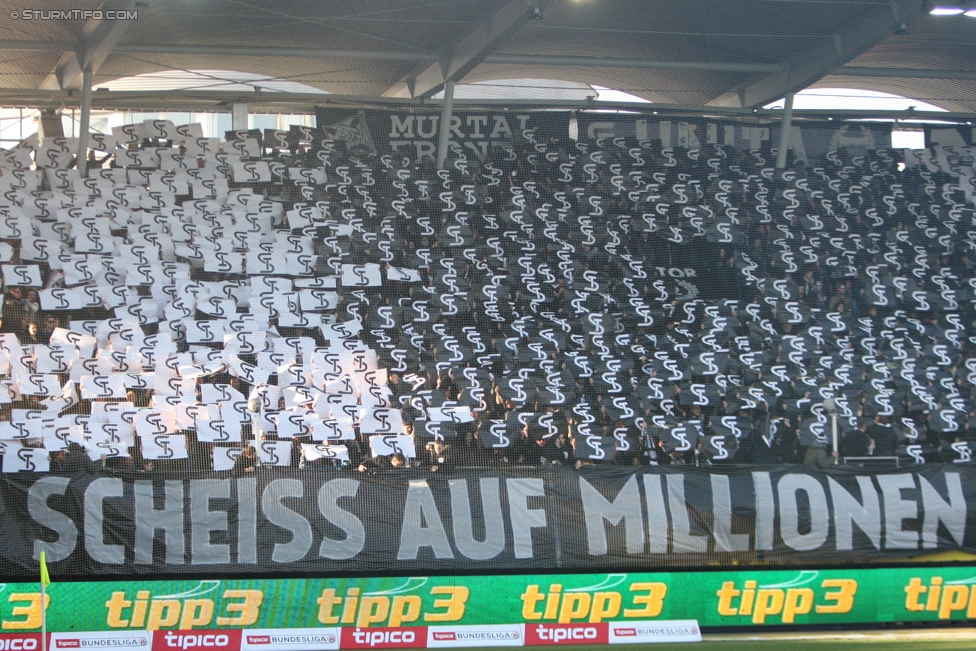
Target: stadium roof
[(745, 53)]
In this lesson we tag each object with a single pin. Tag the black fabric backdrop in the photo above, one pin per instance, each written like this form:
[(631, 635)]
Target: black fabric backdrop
[(415, 134), (958, 136), (809, 142), (410, 522)]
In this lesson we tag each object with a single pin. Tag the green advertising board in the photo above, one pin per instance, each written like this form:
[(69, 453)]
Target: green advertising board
[(715, 598)]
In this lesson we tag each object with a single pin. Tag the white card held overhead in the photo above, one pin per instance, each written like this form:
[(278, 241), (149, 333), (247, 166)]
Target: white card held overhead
[(151, 422), (307, 175), (248, 372), (314, 300), (293, 423), (97, 387), (265, 261), (141, 381), (341, 330), (15, 224), (53, 359), (85, 343), (274, 453), (21, 275), (204, 332), (171, 160), (18, 158), (164, 446), (128, 134), (224, 458), (20, 459), (201, 146), (39, 249), (362, 275), (158, 129), (402, 274), (321, 452), (333, 429), (300, 264), (69, 145), (59, 298), (61, 179), (102, 141), (252, 172), (304, 216), (170, 182), (218, 431), (225, 262), (52, 156), (450, 414), (14, 431), (245, 343), (39, 384), (381, 421), (386, 444), (137, 158), (105, 450), (276, 138), (186, 132)]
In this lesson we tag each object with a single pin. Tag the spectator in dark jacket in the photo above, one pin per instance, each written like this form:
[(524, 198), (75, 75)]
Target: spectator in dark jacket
[(246, 462), (856, 443), (883, 436), (383, 462), (441, 456)]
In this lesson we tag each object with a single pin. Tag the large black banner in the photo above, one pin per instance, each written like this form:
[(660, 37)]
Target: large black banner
[(808, 142), (950, 136), (415, 134), (604, 517)]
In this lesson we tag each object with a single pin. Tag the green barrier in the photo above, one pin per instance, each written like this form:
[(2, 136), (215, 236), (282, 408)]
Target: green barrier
[(717, 598)]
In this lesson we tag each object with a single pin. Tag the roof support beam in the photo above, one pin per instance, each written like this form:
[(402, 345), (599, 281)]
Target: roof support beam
[(221, 102), (808, 66), (245, 51), (904, 73), (501, 59), (37, 46), (94, 45), (654, 64), (457, 61), (372, 55)]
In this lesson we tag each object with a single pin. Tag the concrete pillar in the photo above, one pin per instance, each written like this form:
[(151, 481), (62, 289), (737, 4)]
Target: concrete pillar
[(445, 135), (86, 90), (784, 131), (239, 116)]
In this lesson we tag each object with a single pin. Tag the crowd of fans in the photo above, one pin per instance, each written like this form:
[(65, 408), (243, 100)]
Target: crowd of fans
[(610, 302)]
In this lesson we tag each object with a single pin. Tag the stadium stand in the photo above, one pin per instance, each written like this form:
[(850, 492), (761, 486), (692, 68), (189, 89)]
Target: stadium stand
[(226, 305)]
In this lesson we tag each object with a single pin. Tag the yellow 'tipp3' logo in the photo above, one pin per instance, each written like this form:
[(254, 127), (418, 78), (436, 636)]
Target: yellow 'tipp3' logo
[(786, 600), (943, 597)]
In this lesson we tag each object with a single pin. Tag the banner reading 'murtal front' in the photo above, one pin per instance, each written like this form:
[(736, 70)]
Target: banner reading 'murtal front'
[(480, 135), (413, 522)]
